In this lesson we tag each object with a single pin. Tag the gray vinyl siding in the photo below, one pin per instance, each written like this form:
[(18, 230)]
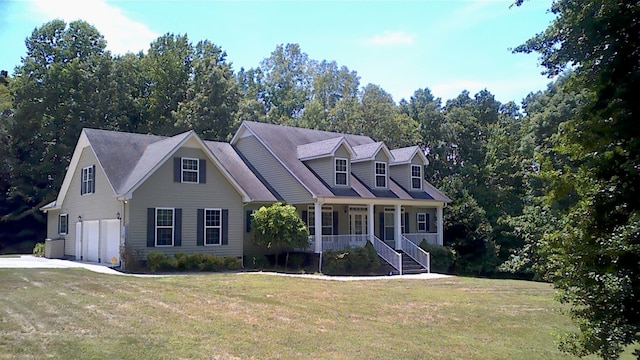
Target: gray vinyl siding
[(382, 156), (273, 171), (324, 168), (342, 152), (159, 190), (52, 224), (413, 218), (100, 205), (402, 175), (364, 172)]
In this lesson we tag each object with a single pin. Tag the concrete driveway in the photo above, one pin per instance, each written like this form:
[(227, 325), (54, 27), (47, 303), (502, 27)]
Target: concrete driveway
[(32, 262)]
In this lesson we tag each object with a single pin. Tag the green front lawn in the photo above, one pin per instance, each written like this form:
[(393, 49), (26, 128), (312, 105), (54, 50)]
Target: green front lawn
[(74, 313)]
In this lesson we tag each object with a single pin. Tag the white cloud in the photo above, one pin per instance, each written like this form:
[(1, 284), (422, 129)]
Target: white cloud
[(122, 33), (390, 38)]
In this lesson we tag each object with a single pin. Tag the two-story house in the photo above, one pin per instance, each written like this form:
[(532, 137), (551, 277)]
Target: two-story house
[(184, 194)]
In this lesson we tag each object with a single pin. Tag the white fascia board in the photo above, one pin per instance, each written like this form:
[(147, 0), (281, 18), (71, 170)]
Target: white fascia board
[(378, 201)]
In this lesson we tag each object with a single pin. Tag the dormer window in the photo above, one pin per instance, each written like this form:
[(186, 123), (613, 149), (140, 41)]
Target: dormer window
[(416, 177), (381, 174), (341, 171)]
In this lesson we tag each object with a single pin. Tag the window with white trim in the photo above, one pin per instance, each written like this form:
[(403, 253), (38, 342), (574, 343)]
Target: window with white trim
[(341, 171), (165, 226), (416, 177), (422, 222), (190, 170), (63, 224), (88, 182), (327, 220), (381, 174), (212, 227)]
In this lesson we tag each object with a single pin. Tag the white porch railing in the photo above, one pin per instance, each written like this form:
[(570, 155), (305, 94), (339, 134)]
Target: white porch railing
[(432, 238), (416, 253), (337, 242), (387, 253)]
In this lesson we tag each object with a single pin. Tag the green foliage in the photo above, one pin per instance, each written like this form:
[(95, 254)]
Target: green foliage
[(468, 232), (257, 262), (38, 249), (592, 251), (279, 227), (158, 261), (441, 258), (131, 259), (296, 260), (351, 261)]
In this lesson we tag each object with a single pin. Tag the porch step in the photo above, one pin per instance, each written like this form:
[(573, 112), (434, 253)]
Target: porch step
[(410, 266)]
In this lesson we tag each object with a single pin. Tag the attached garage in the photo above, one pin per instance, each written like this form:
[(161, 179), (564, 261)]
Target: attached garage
[(98, 241)]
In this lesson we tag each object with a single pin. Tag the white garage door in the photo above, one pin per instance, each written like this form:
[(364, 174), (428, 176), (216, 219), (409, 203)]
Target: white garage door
[(110, 241), (90, 240)]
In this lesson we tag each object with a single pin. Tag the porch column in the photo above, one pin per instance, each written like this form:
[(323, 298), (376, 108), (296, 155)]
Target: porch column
[(397, 227), (370, 221), (317, 217), (439, 228)]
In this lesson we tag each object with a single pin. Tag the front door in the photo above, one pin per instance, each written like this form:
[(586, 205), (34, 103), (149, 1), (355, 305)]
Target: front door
[(389, 227), (358, 218)]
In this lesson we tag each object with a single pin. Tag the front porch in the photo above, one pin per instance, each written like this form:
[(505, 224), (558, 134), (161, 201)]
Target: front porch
[(393, 229)]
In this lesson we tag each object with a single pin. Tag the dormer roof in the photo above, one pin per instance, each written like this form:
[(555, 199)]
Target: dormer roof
[(323, 148), (406, 155), (367, 152)]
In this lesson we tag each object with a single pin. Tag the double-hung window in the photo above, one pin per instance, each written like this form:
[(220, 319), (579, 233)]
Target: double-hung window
[(341, 171), (63, 224), (212, 227), (381, 174), (423, 222), (190, 170), (165, 222), (87, 185), (416, 177), (327, 220)]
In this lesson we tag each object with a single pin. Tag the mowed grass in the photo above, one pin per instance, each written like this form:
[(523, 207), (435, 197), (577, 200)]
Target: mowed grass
[(78, 314)]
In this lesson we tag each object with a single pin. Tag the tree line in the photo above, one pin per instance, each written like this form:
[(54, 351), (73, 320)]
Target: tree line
[(546, 189), (68, 81)]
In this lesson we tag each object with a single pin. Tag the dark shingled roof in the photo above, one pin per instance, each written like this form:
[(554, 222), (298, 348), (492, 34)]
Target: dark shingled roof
[(288, 143), (284, 142), (244, 176), (127, 158), (119, 153)]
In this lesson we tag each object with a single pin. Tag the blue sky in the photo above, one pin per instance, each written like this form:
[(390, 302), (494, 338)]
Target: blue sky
[(446, 46)]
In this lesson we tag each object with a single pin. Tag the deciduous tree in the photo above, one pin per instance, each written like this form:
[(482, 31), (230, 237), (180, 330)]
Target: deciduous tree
[(594, 252)]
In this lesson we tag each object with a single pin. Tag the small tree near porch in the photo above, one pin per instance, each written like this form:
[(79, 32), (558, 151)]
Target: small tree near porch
[(279, 227)]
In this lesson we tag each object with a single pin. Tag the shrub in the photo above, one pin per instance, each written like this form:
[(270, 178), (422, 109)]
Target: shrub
[(441, 257), (296, 260), (232, 263), (131, 259), (351, 261), (257, 262), (38, 249), (159, 261)]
